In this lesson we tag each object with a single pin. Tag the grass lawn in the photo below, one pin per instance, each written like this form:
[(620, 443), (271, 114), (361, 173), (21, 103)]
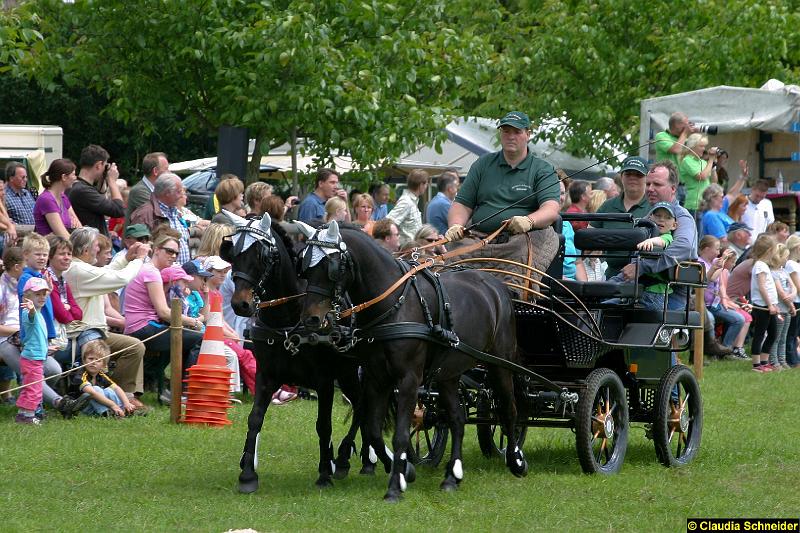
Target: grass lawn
[(144, 474)]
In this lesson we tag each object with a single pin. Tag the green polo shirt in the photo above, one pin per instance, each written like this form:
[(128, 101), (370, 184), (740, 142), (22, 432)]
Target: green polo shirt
[(492, 184), (664, 142), (689, 168), (616, 205)]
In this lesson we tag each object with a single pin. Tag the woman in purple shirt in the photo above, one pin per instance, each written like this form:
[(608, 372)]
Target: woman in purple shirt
[(53, 213)]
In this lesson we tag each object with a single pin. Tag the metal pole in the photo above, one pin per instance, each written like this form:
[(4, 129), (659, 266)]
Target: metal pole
[(700, 307), (176, 359)]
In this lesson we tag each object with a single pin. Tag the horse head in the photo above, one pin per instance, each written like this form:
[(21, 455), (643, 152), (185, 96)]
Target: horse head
[(328, 267), (253, 254)]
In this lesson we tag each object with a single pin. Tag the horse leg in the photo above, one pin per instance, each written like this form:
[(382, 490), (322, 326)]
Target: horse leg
[(373, 411), (248, 478), (351, 388), (454, 471), (402, 468), (324, 431), (503, 385)]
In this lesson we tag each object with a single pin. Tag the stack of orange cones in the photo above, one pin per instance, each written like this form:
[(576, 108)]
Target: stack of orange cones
[(209, 381)]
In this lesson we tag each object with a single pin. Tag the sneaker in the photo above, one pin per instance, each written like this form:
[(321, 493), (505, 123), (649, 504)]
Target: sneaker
[(739, 353), (283, 396), (29, 420), (758, 369), (69, 406), (766, 368), (786, 366), (11, 400)]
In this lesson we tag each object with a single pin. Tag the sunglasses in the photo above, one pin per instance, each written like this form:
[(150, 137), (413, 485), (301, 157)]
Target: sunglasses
[(431, 239), (171, 251), (143, 239)]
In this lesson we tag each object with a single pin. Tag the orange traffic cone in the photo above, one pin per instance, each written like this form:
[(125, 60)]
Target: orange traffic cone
[(209, 383)]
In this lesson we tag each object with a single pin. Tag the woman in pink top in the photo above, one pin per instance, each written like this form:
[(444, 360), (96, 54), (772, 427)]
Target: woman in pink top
[(53, 212), (147, 311)]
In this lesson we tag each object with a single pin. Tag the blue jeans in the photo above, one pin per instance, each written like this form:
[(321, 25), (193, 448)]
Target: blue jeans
[(96, 408), (734, 322)]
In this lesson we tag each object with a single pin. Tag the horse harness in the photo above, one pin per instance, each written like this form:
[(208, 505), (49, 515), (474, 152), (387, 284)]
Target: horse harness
[(440, 333), (268, 256)]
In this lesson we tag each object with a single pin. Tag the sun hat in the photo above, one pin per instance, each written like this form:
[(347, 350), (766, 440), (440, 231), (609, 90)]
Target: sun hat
[(174, 273), (215, 262), (35, 284)]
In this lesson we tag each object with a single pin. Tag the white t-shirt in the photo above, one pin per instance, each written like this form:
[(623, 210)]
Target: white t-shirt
[(758, 216), (781, 278), (793, 266), (755, 294)]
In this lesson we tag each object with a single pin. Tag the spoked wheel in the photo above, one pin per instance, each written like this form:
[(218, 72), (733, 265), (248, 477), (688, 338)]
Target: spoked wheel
[(678, 420), (601, 423), (491, 437), (428, 436)]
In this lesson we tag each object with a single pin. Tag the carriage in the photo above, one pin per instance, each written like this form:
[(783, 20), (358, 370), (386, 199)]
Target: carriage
[(579, 357), (589, 363)]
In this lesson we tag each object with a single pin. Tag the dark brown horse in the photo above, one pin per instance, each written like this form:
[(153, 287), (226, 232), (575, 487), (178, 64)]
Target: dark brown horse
[(420, 329), (264, 269)]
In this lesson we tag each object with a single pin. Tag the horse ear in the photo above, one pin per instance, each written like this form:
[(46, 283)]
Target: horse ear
[(266, 223), (237, 220), (333, 231), (305, 229)]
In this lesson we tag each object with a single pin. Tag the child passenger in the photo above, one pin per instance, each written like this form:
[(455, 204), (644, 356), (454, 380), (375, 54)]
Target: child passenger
[(656, 288)]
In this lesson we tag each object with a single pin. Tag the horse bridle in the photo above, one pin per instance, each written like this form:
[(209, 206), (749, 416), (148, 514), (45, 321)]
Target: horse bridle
[(338, 264), (268, 255)]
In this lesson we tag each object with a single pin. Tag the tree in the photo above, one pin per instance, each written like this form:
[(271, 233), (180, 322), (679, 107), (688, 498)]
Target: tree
[(364, 79), (588, 63)]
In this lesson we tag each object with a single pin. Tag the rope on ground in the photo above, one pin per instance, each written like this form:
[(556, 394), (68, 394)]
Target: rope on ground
[(64, 373)]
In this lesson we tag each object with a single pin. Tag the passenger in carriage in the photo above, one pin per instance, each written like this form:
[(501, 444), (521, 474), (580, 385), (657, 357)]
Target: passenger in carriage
[(662, 185)]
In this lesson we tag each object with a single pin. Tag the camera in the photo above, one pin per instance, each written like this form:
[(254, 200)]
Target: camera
[(707, 128)]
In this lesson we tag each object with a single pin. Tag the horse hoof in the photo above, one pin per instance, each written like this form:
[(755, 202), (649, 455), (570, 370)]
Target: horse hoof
[(368, 470), (341, 472), (248, 487), (411, 473), (448, 486), (392, 497), (520, 471), (518, 466), (324, 483)]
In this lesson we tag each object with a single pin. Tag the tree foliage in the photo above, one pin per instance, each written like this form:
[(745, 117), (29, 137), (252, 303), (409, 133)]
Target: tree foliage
[(368, 79), (588, 63)]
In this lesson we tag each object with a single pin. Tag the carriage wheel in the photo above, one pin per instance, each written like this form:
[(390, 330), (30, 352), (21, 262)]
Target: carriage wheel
[(678, 419), (601, 423), (491, 437), (428, 436)]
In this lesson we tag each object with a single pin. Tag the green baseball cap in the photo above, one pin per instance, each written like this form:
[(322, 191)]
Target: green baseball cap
[(666, 206), (635, 163), (134, 231), (516, 119)]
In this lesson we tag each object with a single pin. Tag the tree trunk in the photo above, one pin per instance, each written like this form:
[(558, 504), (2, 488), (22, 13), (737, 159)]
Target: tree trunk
[(254, 164)]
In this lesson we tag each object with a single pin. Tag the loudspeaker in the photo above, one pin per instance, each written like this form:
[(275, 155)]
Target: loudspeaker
[(232, 151)]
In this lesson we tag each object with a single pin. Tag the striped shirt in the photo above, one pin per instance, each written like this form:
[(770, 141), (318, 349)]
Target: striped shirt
[(176, 223)]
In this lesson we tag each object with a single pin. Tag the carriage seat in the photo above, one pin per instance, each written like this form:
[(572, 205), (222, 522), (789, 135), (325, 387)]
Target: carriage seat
[(647, 316), (595, 290)]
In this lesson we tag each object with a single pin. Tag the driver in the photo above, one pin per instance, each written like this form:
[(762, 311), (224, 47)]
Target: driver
[(498, 180)]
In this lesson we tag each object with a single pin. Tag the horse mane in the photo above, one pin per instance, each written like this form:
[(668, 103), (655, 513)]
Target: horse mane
[(287, 241)]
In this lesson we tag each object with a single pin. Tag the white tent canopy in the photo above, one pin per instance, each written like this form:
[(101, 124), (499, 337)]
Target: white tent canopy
[(743, 117)]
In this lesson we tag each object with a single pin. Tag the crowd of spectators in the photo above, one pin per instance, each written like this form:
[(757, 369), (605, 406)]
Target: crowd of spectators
[(113, 258)]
